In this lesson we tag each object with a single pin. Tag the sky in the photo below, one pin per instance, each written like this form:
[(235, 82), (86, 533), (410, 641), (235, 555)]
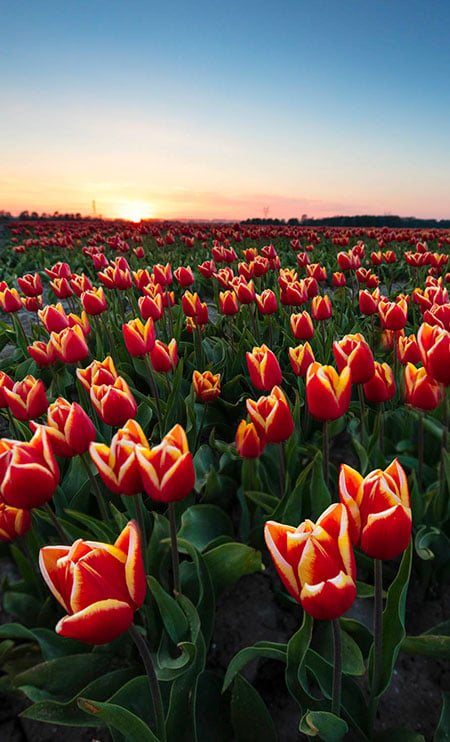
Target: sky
[(225, 110)]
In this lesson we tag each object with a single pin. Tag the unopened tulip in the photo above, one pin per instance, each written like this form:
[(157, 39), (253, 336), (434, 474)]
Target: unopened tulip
[(264, 369), (10, 300), (249, 443), (378, 509), (29, 473), (98, 372), (228, 302), (301, 358), (27, 398), (266, 302), (14, 522), (54, 317), (434, 346), (167, 470), (381, 387), (393, 315), (302, 326), (69, 344), (408, 350), (139, 337), (114, 403), (190, 303), (321, 308), (316, 562), (99, 585), (30, 284), (421, 390), (354, 352), (117, 464), (184, 276), (271, 416), (68, 428), (164, 358), (94, 301), (328, 393)]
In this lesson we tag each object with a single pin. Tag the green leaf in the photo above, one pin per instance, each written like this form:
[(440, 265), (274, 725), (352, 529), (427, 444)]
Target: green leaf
[(118, 717), (323, 724), (442, 733), (269, 650), (352, 659), (68, 713), (96, 527), (399, 735), (211, 707), (172, 616), (320, 494), (297, 648), (427, 645), (168, 668), (249, 715), (266, 502), (204, 598), (63, 676), (362, 455), (204, 461), (228, 562), (201, 524), (394, 621)]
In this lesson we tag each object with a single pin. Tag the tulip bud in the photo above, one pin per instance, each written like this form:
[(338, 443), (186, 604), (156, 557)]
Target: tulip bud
[(249, 443), (271, 416), (206, 385), (328, 393), (167, 470)]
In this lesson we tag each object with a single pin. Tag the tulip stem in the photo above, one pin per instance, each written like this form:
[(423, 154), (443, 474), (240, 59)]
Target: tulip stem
[(174, 548), (95, 487), (337, 669), (200, 427), (147, 660), (155, 392), (58, 527), (420, 449), (377, 638), (141, 526), (362, 411), (281, 468), (325, 450)]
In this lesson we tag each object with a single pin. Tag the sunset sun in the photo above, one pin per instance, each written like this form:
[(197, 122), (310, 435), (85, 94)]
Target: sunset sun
[(134, 211)]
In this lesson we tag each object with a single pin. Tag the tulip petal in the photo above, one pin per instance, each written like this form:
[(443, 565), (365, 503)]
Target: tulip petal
[(99, 623), (275, 535), (48, 564), (129, 543), (329, 599), (375, 540)]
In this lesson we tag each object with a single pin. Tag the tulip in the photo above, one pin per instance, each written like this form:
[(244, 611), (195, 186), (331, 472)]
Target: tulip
[(184, 276), (117, 464), (328, 393), (317, 271), (266, 302), (338, 279), (207, 268), (249, 443), (30, 284), (162, 274), (69, 344), (94, 301), (228, 302), (43, 354), (163, 357), (296, 294), (98, 372), (393, 315), (206, 385), (99, 585), (68, 428), (61, 288), (5, 382), (114, 403), (261, 265), (368, 303), (29, 473), (421, 390), (271, 416), (59, 270), (439, 315), (264, 369), (321, 308), (27, 398), (80, 284), (142, 278), (315, 562), (246, 270), (14, 522), (54, 317), (10, 300), (32, 303), (378, 509), (167, 470), (381, 387), (434, 346), (408, 350), (139, 338), (190, 304), (353, 351), (302, 326), (151, 306), (301, 358)]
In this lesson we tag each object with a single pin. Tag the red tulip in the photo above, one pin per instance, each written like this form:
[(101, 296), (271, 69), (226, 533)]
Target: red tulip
[(206, 385), (117, 464), (271, 416), (301, 358), (164, 358), (29, 473), (421, 390), (99, 585), (353, 351), (139, 337), (315, 562), (14, 522), (378, 509), (434, 346), (263, 368), (68, 428), (167, 470), (114, 403), (27, 398), (328, 393), (381, 387), (249, 443)]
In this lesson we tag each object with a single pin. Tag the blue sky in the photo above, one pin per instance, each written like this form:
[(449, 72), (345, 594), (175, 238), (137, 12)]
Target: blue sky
[(217, 109)]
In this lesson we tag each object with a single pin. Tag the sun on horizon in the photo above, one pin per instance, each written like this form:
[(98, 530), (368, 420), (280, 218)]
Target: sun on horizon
[(135, 211)]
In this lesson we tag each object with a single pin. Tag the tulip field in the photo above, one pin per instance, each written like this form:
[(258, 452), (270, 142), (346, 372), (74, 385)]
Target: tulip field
[(195, 412)]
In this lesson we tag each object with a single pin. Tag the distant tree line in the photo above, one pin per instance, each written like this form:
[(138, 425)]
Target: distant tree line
[(363, 220)]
